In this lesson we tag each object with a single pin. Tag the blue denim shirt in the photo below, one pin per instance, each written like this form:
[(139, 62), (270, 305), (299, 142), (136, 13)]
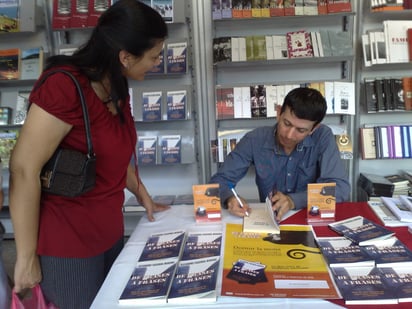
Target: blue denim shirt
[(315, 159)]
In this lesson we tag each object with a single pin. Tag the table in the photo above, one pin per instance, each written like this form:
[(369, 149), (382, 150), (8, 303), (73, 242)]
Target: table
[(182, 217)]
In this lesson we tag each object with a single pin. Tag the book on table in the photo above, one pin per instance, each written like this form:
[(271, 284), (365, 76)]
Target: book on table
[(361, 230), (201, 245), (261, 219), (342, 252), (163, 245), (195, 281), (149, 283), (206, 202), (386, 217), (398, 208), (400, 279)]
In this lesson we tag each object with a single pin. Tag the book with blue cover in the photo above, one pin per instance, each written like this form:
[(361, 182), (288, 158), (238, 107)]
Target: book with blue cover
[(171, 148), (163, 246), (176, 61), (400, 279), (176, 105), (361, 230), (152, 106), (146, 150), (149, 283), (201, 245), (195, 281)]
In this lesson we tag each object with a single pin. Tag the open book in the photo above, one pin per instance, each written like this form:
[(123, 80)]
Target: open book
[(261, 219)]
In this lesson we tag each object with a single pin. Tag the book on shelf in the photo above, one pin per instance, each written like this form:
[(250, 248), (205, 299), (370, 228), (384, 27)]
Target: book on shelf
[(367, 60), (400, 184), (147, 150), (361, 230), (280, 46), (237, 9), (222, 49), (10, 63), (401, 211), (325, 42), (176, 59), (96, 8), (149, 283), (206, 202), (259, 47), (291, 266), (247, 9), (226, 9), (390, 252), (261, 219), (224, 103), (171, 149), (340, 251), (22, 104), (340, 43), (299, 44), (5, 115), (386, 216), (176, 104), (397, 40), (321, 205), (165, 8), (344, 97), (31, 63), (216, 10), (256, 8), (339, 6), (407, 92), (61, 15), (164, 245), (289, 7), (195, 281), (10, 16), (400, 279), (8, 139), (165, 199), (367, 141), (363, 285), (202, 244), (152, 105)]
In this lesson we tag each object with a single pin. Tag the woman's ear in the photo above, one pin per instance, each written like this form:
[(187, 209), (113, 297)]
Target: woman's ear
[(124, 58)]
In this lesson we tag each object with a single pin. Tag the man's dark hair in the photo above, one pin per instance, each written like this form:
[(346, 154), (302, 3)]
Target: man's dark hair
[(306, 103)]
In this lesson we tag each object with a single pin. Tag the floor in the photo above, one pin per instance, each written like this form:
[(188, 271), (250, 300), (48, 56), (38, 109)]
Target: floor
[(9, 256)]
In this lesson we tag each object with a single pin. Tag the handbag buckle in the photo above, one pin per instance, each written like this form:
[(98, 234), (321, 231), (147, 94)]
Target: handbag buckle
[(46, 179)]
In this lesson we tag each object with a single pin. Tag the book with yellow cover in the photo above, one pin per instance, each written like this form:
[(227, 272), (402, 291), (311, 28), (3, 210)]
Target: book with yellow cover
[(321, 203), (289, 264), (206, 201)]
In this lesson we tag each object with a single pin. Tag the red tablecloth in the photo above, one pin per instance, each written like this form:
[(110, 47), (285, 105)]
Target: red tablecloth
[(347, 210)]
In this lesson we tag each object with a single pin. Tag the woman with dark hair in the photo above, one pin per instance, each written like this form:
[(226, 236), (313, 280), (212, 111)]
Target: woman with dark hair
[(68, 244)]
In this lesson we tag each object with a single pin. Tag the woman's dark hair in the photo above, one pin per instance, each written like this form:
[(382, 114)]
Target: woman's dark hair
[(128, 25), (306, 103)]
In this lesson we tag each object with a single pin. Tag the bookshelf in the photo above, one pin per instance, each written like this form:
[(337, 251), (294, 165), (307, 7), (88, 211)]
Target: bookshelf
[(372, 20)]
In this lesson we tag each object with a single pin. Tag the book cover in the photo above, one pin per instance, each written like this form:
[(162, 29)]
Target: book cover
[(247, 9), (259, 47), (371, 102), (321, 205), (276, 8), (397, 40), (21, 106), (200, 245), (206, 201), (261, 220), (195, 281), (406, 201), (342, 252), (361, 230), (367, 139), (225, 103), (216, 9), (226, 9), (149, 283), (400, 279), (171, 148), (386, 217), (62, 12), (176, 104), (176, 60), (163, 246), (289, 7), (406, 141), (147, 150), (256, 8), (367, 60), (390, 252), (8, 139), (222, 49), (237, 8), (9, 16), (80, 14), (31, 63), (363, 285), (9, 63), (5, 115), (407, 92), (280, 47), (299, 44), (286, 265), (165, 8), (396, 88), (326, 44), (152, 106), (339, 6), (96, 8), (344, 97)]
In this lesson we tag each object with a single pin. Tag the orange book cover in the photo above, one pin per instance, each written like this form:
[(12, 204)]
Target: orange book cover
[(321, 203), (407, 92), (9, 63), (206, 200)]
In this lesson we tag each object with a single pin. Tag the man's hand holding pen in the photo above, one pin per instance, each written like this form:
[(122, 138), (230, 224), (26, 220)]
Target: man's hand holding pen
[(281, 204), (235, 208)]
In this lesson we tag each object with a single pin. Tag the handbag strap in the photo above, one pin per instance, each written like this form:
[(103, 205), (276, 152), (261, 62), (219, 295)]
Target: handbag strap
[(90, 151)]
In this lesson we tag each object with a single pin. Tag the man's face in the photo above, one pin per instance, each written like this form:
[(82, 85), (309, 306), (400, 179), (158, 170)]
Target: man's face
[(292, 130)]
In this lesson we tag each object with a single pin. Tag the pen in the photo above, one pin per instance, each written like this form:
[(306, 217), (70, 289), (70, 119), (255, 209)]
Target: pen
[(239, 200)]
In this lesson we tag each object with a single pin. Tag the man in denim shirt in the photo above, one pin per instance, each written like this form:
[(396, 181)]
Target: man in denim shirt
[(296, 151)]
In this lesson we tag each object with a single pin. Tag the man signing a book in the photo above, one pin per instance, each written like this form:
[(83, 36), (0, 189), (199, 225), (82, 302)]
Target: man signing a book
[(296, 151)]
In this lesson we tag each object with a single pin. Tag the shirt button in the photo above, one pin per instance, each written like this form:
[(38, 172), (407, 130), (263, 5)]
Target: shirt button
[(289, 174), (290, 158)]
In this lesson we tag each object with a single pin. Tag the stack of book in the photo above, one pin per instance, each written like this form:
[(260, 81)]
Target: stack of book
[(375, 185), (369, 263), (401, 184)]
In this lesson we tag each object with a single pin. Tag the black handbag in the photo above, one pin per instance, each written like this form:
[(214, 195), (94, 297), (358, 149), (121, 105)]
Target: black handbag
[(70, 172)]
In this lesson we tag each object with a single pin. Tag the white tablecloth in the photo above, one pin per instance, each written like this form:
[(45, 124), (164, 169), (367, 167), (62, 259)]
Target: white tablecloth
[(182, 217)]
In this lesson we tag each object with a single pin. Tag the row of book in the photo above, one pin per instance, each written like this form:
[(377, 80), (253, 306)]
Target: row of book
[(260, 101), (388, 44), (388, 94), (165, 149), (369, 264), (174, 103), (293, 44), (83, 14), (222, 9), (175, 267), (376, 186), (386, 142), (16, 63), (390, 5)]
